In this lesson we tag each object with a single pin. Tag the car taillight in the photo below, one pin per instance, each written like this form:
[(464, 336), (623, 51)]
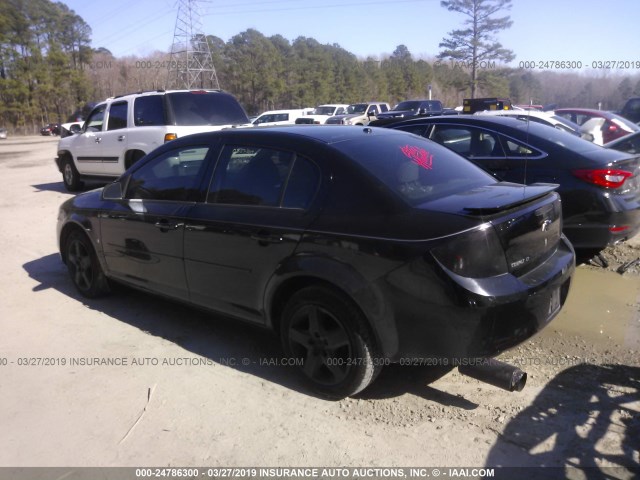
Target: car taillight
[(474, 254), (609, 178)]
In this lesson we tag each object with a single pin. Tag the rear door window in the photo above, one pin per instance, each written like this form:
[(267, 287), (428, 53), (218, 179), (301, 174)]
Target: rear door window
[(249, 175), (468, 141)]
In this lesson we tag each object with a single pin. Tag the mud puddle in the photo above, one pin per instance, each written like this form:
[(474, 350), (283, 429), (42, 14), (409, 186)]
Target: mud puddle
[(603, 308)]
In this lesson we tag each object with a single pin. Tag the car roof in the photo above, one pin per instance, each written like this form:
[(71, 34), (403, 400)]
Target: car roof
[(328, 134), (591, 111)]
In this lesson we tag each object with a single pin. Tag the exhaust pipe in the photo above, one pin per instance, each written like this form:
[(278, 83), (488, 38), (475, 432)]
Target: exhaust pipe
[(496, 373)]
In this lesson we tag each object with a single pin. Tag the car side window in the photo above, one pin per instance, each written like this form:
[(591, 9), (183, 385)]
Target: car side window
[(117, 116), (96, 119), (250, 176), (148, 110), (517, 149), (174, 175), (302, 184), (468, 141), (415, 129)]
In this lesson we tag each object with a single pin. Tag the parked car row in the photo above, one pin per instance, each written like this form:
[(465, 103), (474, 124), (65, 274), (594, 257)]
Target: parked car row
[(600, 188)]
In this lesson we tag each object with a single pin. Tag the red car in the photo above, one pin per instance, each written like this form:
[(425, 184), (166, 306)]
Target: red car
[(614, 125)]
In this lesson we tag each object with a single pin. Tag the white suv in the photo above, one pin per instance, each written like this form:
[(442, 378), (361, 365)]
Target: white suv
[(121, 130)]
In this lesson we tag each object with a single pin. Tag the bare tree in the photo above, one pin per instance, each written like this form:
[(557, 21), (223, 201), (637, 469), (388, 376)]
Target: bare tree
[(475, 44)]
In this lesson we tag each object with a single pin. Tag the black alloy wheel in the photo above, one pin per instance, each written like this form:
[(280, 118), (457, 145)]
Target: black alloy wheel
[(327, 335), (83, 266)]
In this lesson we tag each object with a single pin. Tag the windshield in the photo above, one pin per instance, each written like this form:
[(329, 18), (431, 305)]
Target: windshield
[(356, 108), (324, 110), (403, 106)]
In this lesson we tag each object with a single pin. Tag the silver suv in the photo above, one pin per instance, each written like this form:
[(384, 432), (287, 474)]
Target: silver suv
[(359, 114), (121, 130)]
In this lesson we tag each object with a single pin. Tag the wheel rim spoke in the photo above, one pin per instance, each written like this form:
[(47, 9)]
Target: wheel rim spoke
[(314, 321), (80, 263), (336, 339), (312, 363), (301, 338)]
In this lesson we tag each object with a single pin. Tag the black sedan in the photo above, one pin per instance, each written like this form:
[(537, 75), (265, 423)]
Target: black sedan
[(600, 188), (359, 246)]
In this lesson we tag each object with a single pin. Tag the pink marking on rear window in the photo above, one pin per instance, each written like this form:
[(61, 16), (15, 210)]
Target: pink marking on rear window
[(419, 156)]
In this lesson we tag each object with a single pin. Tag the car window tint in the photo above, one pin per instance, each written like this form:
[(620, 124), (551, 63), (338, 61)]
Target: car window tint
[(302, 184), (469, 142), (117, 116), (148, 110), (96, 119), (517, 149), (206, 108), (415, 129), (418, 169), (173, 175), (250, 176)]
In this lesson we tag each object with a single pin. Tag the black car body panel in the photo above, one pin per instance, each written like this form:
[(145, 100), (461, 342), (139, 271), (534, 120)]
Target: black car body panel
[(442, 260), (594, 216)]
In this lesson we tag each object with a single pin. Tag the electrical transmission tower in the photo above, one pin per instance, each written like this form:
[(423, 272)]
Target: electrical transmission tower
[(191, 64)]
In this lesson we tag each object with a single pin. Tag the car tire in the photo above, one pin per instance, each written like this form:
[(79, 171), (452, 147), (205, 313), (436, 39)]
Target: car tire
[(327, 334), (84, 267), (70, 176)]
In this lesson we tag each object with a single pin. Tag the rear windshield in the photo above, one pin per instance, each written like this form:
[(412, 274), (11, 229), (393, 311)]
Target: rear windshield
[(206, 108), (559, 137), (417, 169)]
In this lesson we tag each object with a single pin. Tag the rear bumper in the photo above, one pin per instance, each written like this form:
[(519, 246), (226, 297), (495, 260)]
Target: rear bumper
[(596, 231), (482, 318)]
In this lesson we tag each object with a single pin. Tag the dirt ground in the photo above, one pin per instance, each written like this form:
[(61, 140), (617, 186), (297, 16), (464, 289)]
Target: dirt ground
[(188, 389)]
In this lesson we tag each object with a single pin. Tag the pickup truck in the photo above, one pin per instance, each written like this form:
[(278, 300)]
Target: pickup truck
[(359, 114), (322, 113), (410, 109)]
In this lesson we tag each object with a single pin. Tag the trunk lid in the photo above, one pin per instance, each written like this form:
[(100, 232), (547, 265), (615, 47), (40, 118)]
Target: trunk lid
[(527, 219)]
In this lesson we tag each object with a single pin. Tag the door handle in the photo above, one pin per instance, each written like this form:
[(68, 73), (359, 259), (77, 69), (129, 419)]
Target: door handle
[(264, 238), (98, 140), (121, 138), (165, 225), (192, 228)]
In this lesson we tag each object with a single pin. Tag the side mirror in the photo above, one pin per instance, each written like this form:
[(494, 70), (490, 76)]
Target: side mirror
[(113, 191)]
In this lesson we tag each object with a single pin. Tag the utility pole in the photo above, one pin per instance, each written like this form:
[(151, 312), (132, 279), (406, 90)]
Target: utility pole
[(190, 64)]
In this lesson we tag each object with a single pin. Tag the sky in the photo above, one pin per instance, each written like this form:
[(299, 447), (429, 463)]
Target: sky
[(583, 32)]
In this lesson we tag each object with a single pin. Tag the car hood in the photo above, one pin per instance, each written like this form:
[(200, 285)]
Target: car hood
[(351, 115)]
